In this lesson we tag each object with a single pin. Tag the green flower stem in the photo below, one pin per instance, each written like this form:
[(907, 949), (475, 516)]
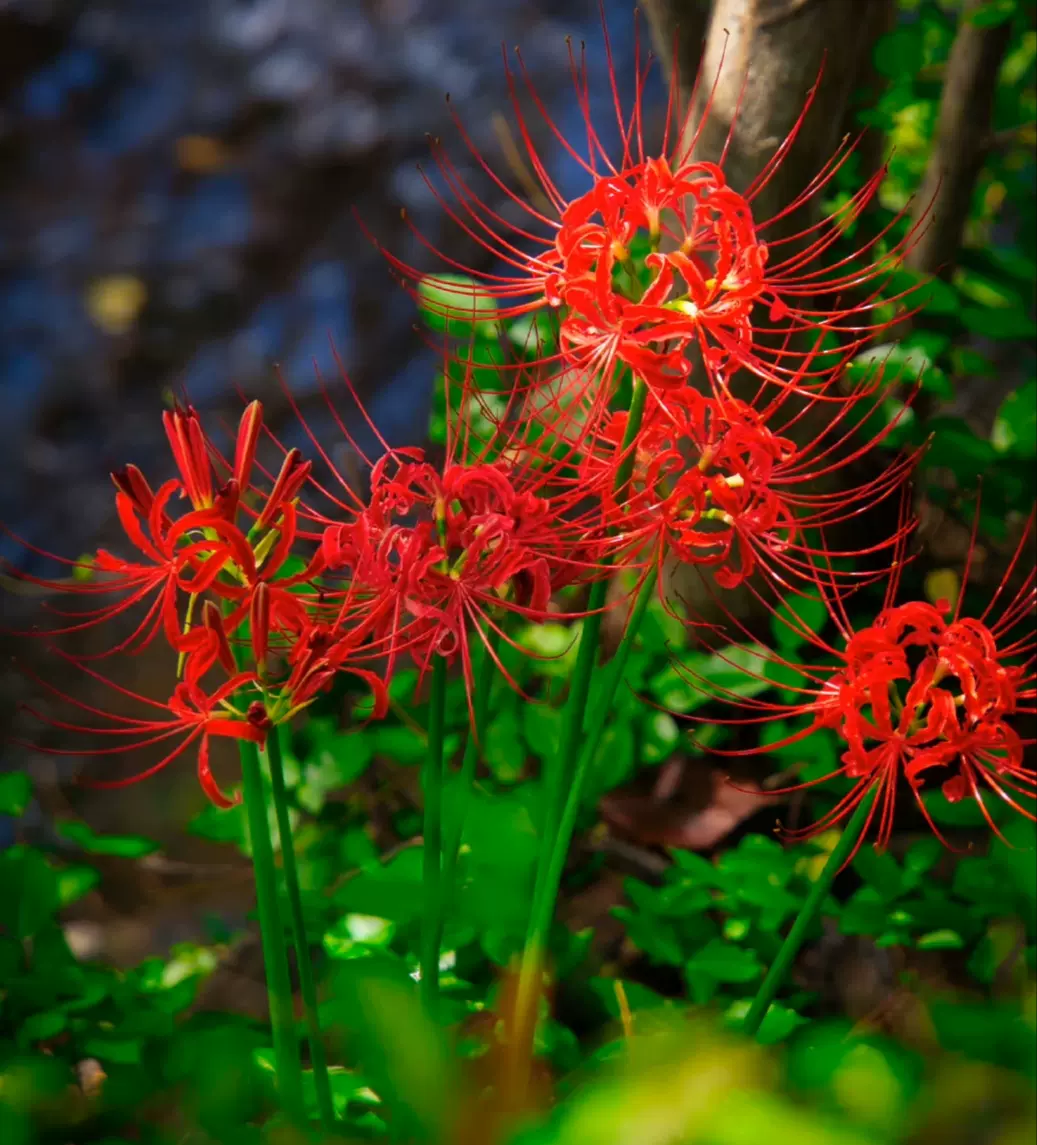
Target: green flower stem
[(610, 678), (432, 876), (808, 912), (559, 780), (586, 659), (287, 1066), (531, 968), (481, 705), (307, 988)]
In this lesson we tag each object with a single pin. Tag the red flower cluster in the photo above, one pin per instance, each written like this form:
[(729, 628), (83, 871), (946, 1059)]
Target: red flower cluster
[(284, 581), (201, 578), (716, 483), (434, 553), (921, 695), (661, 254)]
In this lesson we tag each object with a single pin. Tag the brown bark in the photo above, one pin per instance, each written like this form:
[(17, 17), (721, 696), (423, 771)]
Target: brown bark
[(961, 142), (765, 55), (680, 25)]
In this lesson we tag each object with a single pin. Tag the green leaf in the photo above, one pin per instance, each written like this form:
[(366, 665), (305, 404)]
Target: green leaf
[(963, 814), (391, 890), (920, 859), (880, 870), (219, 824), (660, 737), (376, 1011), (941, 940), (801, 612), (74, 882), (992, 13), (1016, 856), (734, 670), (638, 996), (456, 304), (904, 363), (400, 744), (542, 728), (614, 761), (865, 913), (124, 846), (900, 52), (778, 1023), (554, 645), (15, 793), (1015, 426), (357, 935), (534, 334), (955, 447), (998, 324), (720, 962), (29, 891), (503, 749), (935, 294), (120, 1051), (990, 1032), (656, 938), (341, 760)]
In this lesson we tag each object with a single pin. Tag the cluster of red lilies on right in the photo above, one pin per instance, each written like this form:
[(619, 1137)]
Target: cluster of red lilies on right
[(662, 281)]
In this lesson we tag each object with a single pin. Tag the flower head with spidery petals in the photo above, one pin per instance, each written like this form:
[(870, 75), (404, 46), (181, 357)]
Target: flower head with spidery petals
[(660, 253), (721, 482), (432, 555), (208, 575), (923, 696), (439, 552), (176, 555)]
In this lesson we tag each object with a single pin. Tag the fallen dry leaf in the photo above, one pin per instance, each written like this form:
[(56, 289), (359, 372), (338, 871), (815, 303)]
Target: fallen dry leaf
[(653, 820)]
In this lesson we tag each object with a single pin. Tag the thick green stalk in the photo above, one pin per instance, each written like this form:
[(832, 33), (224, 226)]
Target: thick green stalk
[(586, 660), (307, 988), (432, 875), (275, 954), (848, 841), (559, 780), (532, 965), (610, 678), (483, 686)]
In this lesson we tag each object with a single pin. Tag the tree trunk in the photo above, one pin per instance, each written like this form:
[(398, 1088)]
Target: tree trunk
[(960, 145), (760, 61), (678, 26)]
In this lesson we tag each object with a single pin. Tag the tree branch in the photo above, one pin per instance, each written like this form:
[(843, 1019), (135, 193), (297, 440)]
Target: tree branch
[(961, 142)]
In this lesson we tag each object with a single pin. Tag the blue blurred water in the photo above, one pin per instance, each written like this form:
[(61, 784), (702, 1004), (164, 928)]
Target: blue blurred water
[(248, 255)]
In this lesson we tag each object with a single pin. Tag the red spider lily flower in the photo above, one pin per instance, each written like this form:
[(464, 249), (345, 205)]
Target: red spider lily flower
[(434, 549), (191, 716), (201, 551), (319, 654), (436, 554), (191, 454), (922, 694), (719, 482), (182, 556), (660, 253)]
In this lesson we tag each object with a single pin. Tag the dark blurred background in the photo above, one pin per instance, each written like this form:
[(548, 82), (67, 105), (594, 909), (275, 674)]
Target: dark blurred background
[(178, 182)]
